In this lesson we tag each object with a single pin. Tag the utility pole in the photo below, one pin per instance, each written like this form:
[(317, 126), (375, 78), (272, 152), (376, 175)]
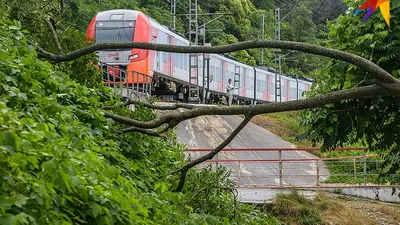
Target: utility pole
[(262, 37), (173, 14), (194, 90), (278, 57), (206, 72)]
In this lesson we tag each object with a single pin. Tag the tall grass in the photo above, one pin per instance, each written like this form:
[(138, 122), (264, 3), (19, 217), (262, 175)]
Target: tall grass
[(294, 208)]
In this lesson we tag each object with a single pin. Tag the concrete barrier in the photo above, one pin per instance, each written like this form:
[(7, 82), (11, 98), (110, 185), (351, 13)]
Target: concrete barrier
[(380, 193)]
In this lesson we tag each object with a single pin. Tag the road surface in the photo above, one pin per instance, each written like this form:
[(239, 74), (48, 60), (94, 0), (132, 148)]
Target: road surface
[(210, 131)]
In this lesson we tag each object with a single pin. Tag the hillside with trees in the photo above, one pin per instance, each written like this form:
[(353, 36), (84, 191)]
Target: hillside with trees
[(64, 160)]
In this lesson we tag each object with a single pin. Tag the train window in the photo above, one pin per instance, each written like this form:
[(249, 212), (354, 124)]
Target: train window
[(272, 88), (284, 91), (164, 57), (176, 59), (242, 77), (217, 74), (300, 93), (258, 85), (186, 61), (212, 72), (293, 93), (250, 82), (121, 31)]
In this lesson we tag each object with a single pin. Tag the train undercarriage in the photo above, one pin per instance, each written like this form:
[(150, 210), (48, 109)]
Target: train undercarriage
[(164, 87), (167, 89)]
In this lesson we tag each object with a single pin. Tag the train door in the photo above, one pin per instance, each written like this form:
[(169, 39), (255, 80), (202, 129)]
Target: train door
[(223, 80), (154, 40), (243, 82), (170, 64)]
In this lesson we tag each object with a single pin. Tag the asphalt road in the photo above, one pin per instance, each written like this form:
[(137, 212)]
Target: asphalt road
[(210, 131)]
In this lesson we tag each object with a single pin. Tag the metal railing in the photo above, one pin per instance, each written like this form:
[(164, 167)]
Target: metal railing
[(129, 84), (301, 170)]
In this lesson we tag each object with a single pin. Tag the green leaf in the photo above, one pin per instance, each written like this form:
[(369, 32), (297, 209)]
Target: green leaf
[(32, 159), (6, 201), (42, 127), (23, 96), (329, 130), (161, 187), (95, 209), (8, 220), (21, 200), (14, 71), (13, 28), (11, 140), (49, 166)]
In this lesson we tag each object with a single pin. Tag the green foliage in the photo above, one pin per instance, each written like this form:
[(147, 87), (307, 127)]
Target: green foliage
[(206, 197)]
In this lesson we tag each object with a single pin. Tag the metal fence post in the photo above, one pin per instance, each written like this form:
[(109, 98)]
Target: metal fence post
[(365, 167), (238, 173), (280, 169), (355, 171), (317, 162)]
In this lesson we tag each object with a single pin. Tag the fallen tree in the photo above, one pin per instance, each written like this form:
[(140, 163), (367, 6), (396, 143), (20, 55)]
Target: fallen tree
[(386, 85)]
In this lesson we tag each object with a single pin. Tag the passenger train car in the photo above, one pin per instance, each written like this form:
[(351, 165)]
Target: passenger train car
[(254, 84)]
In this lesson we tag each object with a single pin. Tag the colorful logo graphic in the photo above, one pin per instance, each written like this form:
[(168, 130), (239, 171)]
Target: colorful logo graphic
[(371, 5)]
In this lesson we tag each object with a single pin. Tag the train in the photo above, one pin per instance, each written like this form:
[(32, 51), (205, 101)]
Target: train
[(254, 84)]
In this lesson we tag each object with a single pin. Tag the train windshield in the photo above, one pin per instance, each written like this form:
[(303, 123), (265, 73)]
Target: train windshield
[(114, 31)]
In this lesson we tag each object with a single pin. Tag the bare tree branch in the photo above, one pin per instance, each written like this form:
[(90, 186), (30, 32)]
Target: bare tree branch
[(144, 131), (211, 154), (54, 33), (179, 116), (152, 106), (136, 123), (375, 70)]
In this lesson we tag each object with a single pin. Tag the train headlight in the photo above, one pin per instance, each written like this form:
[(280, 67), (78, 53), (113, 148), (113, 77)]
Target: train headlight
[(132, 57)]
